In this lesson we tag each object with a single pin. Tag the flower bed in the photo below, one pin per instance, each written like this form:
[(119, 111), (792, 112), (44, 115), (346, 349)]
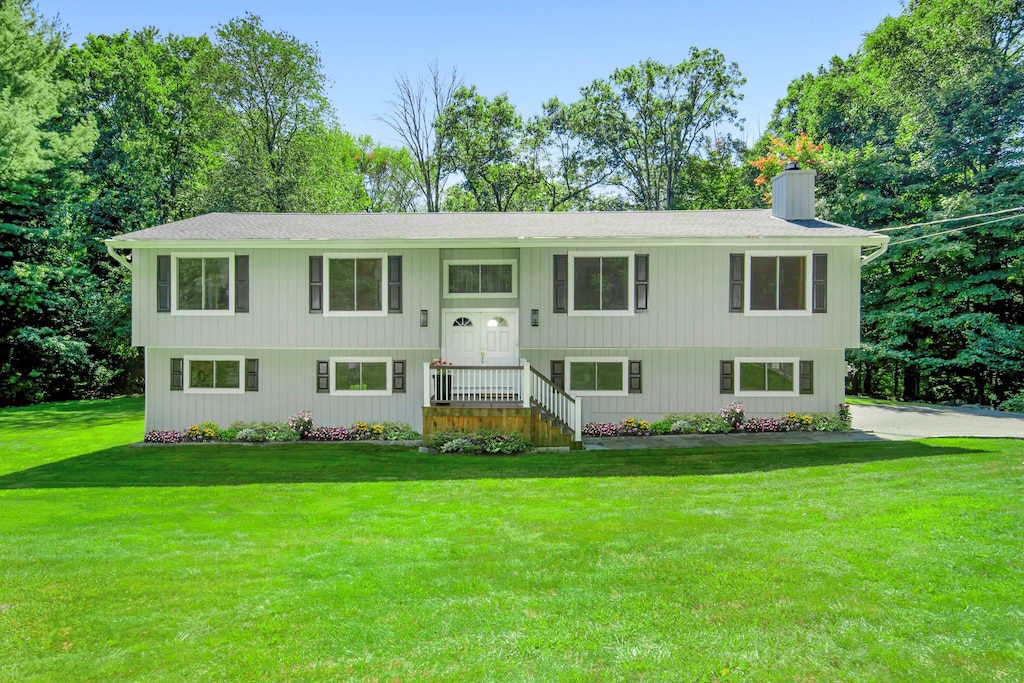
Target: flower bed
[(299, 427), (485, 441), (730, 419)]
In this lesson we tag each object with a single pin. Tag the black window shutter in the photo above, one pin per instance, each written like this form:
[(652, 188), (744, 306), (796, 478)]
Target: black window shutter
[(561, 304), (641, 281), (316, 284), (163, 283), (558, 373), (252, 374), (636, 385), (726, 384), (398, 377), (806, 377), (323, 377), (736, 283), (241, 284), (394, 284), (819, 279), (177, 374)]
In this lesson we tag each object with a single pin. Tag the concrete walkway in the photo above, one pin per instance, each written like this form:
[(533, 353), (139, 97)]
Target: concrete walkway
[(871, 422)]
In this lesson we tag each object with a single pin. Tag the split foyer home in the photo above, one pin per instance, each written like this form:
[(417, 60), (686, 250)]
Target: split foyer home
[(576, 317)]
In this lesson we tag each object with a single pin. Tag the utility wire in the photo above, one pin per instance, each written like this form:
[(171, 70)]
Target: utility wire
[(960, 229), (950, 220)]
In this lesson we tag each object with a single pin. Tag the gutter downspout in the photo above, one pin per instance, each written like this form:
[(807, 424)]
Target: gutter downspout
[(118, 257)]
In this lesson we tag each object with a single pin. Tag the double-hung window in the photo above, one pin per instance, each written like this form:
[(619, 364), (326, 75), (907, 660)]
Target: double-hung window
[(778, 283), (202, 283), (361, 376), (601, 283), (213, 375), (492, 278), (355, 284)]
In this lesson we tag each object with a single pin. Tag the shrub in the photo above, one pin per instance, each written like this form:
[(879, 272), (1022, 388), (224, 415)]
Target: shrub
[(163, 436), (209, 430), (633, 427), (329, 434), (1014, 404), (764, 424), (732, 414), (250, 434), (399, 431), (683, 427), (600, 429), (485, 441), (301, 423), (844, 413), (711, 424), (830, 422), (662, 426), (360, 431)]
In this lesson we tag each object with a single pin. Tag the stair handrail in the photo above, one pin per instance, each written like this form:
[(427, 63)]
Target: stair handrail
[(561, 405)]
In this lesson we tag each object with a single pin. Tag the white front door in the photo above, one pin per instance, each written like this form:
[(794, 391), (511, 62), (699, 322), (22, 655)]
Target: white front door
[(475, 337)]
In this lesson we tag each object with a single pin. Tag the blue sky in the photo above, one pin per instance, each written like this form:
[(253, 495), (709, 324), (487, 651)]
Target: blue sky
[(529, 49)]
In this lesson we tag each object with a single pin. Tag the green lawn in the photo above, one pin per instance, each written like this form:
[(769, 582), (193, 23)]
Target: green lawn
[(865, 562)]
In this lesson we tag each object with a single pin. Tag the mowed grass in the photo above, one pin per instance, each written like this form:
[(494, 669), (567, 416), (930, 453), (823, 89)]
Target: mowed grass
[(859, 562)]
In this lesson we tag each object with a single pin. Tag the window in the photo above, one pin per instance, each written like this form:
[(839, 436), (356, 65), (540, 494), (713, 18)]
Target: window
[(601, 283), (362, 376), (214, 375), (767, 376), (480, 278), (355, 284), (778, 283), (202, 283), (596, 376)]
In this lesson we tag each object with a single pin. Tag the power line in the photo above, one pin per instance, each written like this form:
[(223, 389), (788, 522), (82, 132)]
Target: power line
[(950, 220), (960, 229)]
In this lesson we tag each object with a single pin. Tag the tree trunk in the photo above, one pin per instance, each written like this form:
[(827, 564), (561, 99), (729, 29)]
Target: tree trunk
[(911, 383)]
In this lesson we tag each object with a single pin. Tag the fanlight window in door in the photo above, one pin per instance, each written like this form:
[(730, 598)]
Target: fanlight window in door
[(462, 322), (497, 321)]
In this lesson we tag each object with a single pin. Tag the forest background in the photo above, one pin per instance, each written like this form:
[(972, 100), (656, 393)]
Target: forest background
[(924, 122)]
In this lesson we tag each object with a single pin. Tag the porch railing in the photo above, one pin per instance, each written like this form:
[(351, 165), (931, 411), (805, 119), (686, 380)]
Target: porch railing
[(502, 385)]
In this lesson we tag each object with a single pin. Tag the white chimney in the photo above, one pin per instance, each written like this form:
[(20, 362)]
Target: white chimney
[(793, 194)]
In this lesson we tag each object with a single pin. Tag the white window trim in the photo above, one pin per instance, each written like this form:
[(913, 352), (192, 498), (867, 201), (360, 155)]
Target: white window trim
[(630, 284), (808, 283), (389, 370), (230, 256), (187, 387), (482, 262), (383, 284), (796, 376), (569, 360)]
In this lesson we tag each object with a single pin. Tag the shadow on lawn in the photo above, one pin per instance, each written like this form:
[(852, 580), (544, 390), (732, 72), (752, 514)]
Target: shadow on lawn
[(230, 465), (69, 415)]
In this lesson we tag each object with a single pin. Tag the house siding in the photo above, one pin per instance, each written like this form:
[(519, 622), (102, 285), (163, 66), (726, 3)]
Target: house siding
[(689, 306), (287, 384), (279, 314)]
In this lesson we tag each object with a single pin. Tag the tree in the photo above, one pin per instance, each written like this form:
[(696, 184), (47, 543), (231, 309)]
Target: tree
[(271, 86), (926, 122), (650, 119), (39, 277), (490, 147), (389, 176), (416, 110), (571, 165)]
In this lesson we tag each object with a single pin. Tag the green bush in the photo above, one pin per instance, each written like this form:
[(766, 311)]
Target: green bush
[(399, 431), (485, 441), (258, 432), (1014, 404), (662, 426)]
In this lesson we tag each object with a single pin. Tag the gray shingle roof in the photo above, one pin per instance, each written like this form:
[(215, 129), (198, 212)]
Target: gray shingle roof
[(489, 226)]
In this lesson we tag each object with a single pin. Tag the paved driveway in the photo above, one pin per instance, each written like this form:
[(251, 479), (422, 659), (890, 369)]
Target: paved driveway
[(914, 422)]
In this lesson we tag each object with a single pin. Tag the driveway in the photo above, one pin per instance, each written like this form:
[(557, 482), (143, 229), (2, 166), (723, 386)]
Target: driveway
[(915, 422)]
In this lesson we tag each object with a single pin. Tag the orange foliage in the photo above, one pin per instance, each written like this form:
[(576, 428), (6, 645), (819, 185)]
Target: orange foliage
[(802, 150)]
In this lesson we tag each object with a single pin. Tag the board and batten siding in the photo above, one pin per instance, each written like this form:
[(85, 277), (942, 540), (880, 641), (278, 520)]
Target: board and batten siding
[(688, 306), (687, 381), (279, 314), (287, 384)]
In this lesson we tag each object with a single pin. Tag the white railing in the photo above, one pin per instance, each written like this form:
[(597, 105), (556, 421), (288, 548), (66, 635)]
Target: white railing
[(566, 407), (518, 385)]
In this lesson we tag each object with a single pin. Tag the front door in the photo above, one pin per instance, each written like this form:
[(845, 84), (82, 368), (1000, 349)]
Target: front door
[(475, 337)]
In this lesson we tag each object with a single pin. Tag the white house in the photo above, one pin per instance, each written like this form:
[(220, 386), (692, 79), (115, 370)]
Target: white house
[(257, 316)]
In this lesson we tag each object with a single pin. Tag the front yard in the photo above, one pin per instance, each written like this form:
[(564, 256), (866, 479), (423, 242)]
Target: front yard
[(888, 561)]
